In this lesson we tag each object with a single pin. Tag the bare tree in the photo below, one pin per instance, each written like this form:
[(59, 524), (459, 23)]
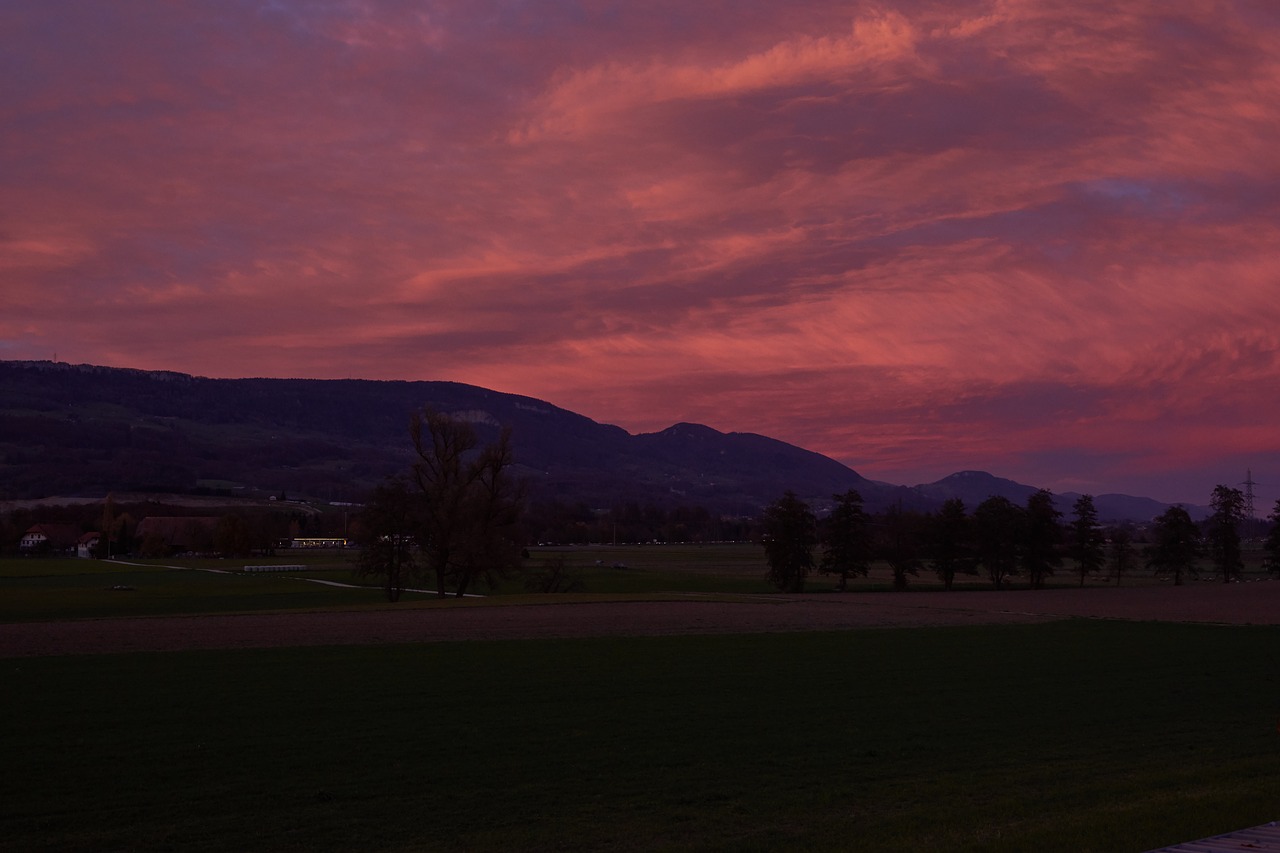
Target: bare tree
[(901, 533), (388, 528), (492, 518), (1123, 555), (1272, 545), (471, 503), (233, 537)]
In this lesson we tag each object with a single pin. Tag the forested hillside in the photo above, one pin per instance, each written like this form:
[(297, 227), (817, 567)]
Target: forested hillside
[(80, 429)]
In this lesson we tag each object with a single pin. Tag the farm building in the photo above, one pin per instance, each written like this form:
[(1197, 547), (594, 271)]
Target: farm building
[(49, 538), (87, 544)]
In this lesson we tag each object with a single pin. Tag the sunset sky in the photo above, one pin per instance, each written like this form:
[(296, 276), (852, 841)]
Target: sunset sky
[(1033, 237)]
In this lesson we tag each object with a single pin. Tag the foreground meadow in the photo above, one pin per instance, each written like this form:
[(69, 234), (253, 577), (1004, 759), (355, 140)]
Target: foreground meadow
[(1067, 734), (1071, 735), (47, 589)]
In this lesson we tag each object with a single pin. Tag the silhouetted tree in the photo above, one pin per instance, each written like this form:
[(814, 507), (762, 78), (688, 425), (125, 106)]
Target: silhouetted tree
[(998, 528), (122, 541), (387, 530), (1272, 545), (471, 505), (232, 537), (790, 534), (951, 542), (107, 530), (1124, 557), (1043, 535), (1087, 544), (847, 549), (1176, 544), (493, 507), (1224, 531), (900, 541)]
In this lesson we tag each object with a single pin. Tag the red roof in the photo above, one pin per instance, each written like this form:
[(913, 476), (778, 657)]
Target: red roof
[(59, 535)]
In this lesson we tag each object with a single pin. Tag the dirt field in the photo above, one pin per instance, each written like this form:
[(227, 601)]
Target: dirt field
[(1252, 603)]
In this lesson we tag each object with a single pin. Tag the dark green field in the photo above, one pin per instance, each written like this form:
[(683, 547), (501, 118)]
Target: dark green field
[(44, 589), (50, 589), (1070, 736), (37, 589)]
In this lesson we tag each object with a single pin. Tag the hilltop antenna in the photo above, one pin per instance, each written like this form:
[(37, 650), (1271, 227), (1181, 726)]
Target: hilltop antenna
[(1248, 492)]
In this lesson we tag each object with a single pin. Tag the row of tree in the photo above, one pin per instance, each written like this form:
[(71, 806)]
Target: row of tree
[(237, 533), (1001, 538)]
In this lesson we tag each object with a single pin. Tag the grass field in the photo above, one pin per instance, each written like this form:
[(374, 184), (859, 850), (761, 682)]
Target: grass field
[(1070, 736), (39, 589)]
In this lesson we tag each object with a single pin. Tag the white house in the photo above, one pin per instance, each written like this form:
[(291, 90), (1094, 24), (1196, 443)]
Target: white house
[(49, 537), (87, 544)]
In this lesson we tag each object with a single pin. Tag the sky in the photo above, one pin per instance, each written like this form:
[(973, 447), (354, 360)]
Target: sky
[(1036, 238)]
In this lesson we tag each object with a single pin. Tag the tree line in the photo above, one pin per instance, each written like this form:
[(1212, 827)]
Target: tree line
[(238, 533), (1002, 539)]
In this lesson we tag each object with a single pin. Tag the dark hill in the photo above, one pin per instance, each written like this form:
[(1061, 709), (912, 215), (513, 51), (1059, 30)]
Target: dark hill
[(80, 429), (974, 487)]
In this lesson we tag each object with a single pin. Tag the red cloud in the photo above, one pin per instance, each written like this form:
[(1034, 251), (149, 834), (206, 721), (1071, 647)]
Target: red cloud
[(1004, 235)]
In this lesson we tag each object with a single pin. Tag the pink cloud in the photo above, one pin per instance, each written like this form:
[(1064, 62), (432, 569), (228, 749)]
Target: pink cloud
[(989, 234)]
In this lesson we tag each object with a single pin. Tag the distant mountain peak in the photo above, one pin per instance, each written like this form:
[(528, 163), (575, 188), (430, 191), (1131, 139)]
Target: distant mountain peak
[(973, 487), (688, 430)]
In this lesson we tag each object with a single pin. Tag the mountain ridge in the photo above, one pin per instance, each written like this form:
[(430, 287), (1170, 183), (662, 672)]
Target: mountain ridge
[(85, 429)]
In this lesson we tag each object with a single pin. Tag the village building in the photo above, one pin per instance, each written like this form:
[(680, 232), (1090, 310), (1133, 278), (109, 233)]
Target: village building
[(87, 544), (49, 539)]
